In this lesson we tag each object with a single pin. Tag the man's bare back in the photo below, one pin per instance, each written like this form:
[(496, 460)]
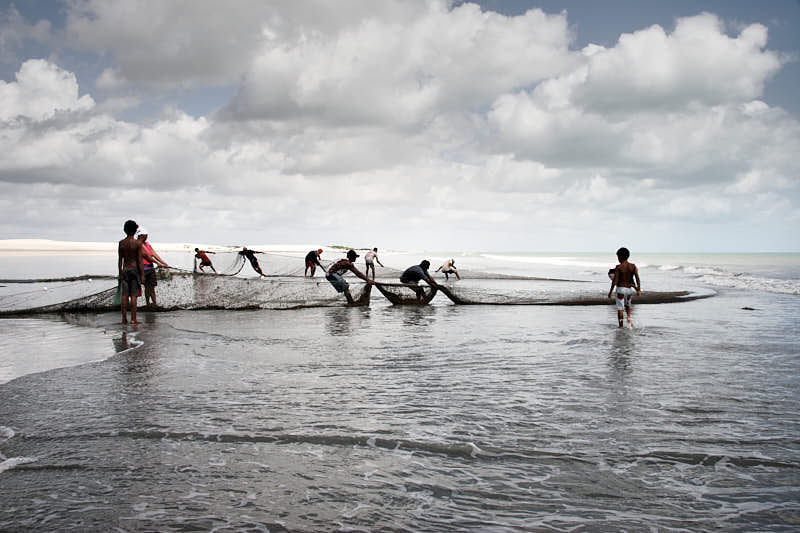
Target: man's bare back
[(626, 273), (130, 255)]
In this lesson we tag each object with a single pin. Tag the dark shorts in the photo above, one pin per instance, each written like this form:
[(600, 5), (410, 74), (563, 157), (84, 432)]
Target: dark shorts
[(150, 278), (205, 263), (310, 264), (338, 282), (129, 282)]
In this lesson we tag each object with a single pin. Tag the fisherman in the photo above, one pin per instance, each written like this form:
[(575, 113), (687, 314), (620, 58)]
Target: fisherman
[(369, 258), (412, 276), (339, 268), (251, 256), (150, 259), (204, 260), (312, 262), (131, 270), (624, 275), (449, 267)]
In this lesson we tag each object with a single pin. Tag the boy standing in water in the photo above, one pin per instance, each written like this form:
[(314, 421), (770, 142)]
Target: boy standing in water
[(131, 270), (369, 260), (624, 275)]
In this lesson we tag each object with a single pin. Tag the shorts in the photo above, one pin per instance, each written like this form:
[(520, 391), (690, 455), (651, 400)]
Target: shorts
[(451, 271), (205, 263), (129, 282), (310, 264), (409, 281), (338, 282), (150, 278), (624, 295)]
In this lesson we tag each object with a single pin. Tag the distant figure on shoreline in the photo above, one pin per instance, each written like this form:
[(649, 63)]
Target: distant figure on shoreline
[(131, 270), (370, 258), (150, 259), (251, 256), (624, 275), (312, 262), (412, 276), (204, 260), (338, 269), (449, 267)]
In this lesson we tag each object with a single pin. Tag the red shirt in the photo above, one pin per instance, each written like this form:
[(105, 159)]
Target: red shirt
[(149, 250), (201, 255)]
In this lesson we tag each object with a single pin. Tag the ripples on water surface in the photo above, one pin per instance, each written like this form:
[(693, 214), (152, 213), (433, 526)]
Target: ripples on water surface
[(440, 418)]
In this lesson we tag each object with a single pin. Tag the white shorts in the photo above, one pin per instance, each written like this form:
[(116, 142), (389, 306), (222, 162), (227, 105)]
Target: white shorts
[(624, 295)]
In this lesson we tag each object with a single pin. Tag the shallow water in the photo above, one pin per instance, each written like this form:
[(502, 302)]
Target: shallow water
[(440, 418)]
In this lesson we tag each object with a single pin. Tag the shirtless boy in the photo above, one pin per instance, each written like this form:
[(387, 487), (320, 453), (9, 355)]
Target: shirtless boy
[(131, 270), (369, 259), (624, 275)]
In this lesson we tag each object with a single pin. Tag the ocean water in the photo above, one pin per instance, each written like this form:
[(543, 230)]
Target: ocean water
[(412, 418)]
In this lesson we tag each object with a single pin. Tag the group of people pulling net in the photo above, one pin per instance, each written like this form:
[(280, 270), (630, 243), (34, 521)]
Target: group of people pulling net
[(407, 291)]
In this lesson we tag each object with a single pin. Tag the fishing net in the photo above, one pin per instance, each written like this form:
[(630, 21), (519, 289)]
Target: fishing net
[(181, 291), (407, 294), (236, 286)]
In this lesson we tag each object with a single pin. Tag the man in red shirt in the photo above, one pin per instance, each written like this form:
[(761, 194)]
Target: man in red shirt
[(204, 260), (149, 259)]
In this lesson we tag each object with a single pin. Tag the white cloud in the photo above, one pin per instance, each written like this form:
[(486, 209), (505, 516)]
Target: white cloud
[(697, 62), (41, 90), (404, 123), (379, 71)]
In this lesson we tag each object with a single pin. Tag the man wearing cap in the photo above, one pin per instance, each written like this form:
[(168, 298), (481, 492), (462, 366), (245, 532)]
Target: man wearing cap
[(339, 268), (312, 261), (414, 274), (150, 259)]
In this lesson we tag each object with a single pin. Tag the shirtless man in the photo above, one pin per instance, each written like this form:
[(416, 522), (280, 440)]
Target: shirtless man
[(131, 270), (338, 269), (370, 258), (624, 275), (449, 267)]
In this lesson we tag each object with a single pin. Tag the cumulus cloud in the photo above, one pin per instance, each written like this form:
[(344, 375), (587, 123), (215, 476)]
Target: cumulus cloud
[(379, 71), (41, 90), (696, 63), (451, 125)]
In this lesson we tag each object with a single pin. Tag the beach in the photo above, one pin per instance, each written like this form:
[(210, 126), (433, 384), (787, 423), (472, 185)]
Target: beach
[(410, 418)]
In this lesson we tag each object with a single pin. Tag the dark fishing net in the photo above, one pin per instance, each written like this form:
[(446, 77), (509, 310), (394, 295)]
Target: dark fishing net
[(187, 291), (406, 294), (507, 292)]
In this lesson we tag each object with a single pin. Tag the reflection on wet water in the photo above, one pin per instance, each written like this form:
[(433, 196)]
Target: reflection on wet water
[(412, 419)]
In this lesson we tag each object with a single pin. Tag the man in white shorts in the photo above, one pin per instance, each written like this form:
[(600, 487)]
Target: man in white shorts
[(370, 258), (624, 275)]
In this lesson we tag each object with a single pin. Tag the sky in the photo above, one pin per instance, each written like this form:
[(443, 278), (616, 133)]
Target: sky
[(502, 125)]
